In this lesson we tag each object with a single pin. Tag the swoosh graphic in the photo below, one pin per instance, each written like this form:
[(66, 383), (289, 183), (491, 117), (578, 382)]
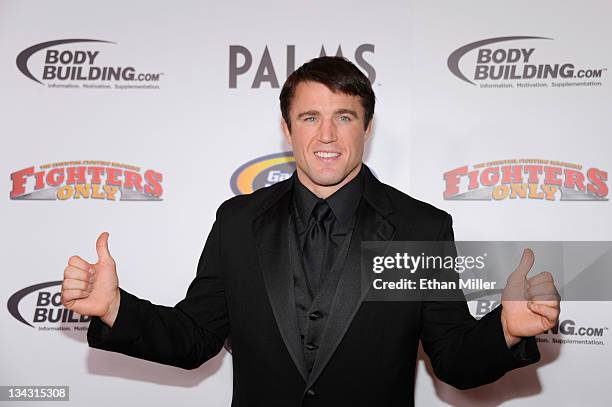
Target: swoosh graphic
[(22, 58), (13, 302), (286, 156), (455, 56)]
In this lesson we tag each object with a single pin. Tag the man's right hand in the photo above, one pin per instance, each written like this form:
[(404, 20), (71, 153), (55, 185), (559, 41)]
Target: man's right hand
[(93, 289)]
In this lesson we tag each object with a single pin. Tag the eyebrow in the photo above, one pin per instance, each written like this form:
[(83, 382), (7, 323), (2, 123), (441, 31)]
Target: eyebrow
[(337, 112), (346, 111), (308, 113)]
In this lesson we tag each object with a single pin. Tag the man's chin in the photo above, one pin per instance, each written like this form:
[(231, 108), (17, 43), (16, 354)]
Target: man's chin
[(328, 178), (327, 175)]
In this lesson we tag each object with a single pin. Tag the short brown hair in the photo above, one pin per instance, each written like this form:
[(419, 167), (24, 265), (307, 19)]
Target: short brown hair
[(338, 74)]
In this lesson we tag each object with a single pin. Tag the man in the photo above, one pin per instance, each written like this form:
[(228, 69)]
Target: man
[(280, 276)]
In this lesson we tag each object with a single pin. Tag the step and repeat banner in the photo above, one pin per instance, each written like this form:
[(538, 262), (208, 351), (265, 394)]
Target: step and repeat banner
[(139, 118)]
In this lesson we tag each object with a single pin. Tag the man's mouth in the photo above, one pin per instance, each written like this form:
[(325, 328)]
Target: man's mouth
[(327, 155)]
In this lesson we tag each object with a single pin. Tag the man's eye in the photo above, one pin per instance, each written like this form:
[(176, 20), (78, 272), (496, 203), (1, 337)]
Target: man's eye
[(310, 119), (345, 118)]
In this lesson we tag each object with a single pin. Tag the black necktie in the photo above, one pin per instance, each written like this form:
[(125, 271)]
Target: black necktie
[(318, 239)]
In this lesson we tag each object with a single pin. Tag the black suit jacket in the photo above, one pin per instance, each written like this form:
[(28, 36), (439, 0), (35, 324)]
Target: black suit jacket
[(244, 290)]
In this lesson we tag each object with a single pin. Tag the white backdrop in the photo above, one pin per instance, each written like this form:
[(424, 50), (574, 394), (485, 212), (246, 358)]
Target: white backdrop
[(197, 119)]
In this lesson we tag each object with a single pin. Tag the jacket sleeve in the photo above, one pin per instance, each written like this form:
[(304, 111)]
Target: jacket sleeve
[(185, 335), (466, 352)]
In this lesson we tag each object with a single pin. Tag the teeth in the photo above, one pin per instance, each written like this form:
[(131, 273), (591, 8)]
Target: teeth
[(324, 154)]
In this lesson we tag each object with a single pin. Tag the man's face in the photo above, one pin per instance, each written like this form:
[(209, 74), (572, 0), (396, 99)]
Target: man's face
[(327, 135)]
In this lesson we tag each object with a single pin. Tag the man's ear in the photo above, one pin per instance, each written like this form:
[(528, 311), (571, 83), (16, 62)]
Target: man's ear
[(286, 131), (368, 130)]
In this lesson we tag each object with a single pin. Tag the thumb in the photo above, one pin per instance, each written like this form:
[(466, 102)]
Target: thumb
[(102, 248), (521, 271)]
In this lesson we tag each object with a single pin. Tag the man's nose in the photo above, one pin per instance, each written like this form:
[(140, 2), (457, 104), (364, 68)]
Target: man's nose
[(327, 132)]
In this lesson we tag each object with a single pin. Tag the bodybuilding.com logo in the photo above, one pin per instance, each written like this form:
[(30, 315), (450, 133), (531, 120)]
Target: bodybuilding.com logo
[(494, 64), (40, 306), (79, 63), (566, 332)]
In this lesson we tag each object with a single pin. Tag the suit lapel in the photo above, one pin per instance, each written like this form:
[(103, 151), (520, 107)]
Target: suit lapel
[(270, 230), (369, 226)]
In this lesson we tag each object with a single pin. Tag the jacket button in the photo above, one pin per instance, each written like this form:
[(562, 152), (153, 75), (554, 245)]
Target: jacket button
[(314, 315), (312, 346), (310, 393)]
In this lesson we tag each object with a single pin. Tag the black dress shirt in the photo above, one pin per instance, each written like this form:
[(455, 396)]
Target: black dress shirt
[(343, 204), (314, 300)]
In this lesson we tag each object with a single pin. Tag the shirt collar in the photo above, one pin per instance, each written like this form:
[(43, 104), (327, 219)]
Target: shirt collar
[(343, 202)]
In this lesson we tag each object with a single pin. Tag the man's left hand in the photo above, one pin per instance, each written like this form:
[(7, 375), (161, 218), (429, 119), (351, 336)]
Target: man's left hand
[(530, 306)]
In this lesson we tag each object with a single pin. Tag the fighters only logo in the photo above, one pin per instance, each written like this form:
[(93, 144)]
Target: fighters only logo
[(86, 180), (526, 179)]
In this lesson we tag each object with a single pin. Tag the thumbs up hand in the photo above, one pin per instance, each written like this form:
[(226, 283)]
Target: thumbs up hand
[(92, 289), (530, 306)]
